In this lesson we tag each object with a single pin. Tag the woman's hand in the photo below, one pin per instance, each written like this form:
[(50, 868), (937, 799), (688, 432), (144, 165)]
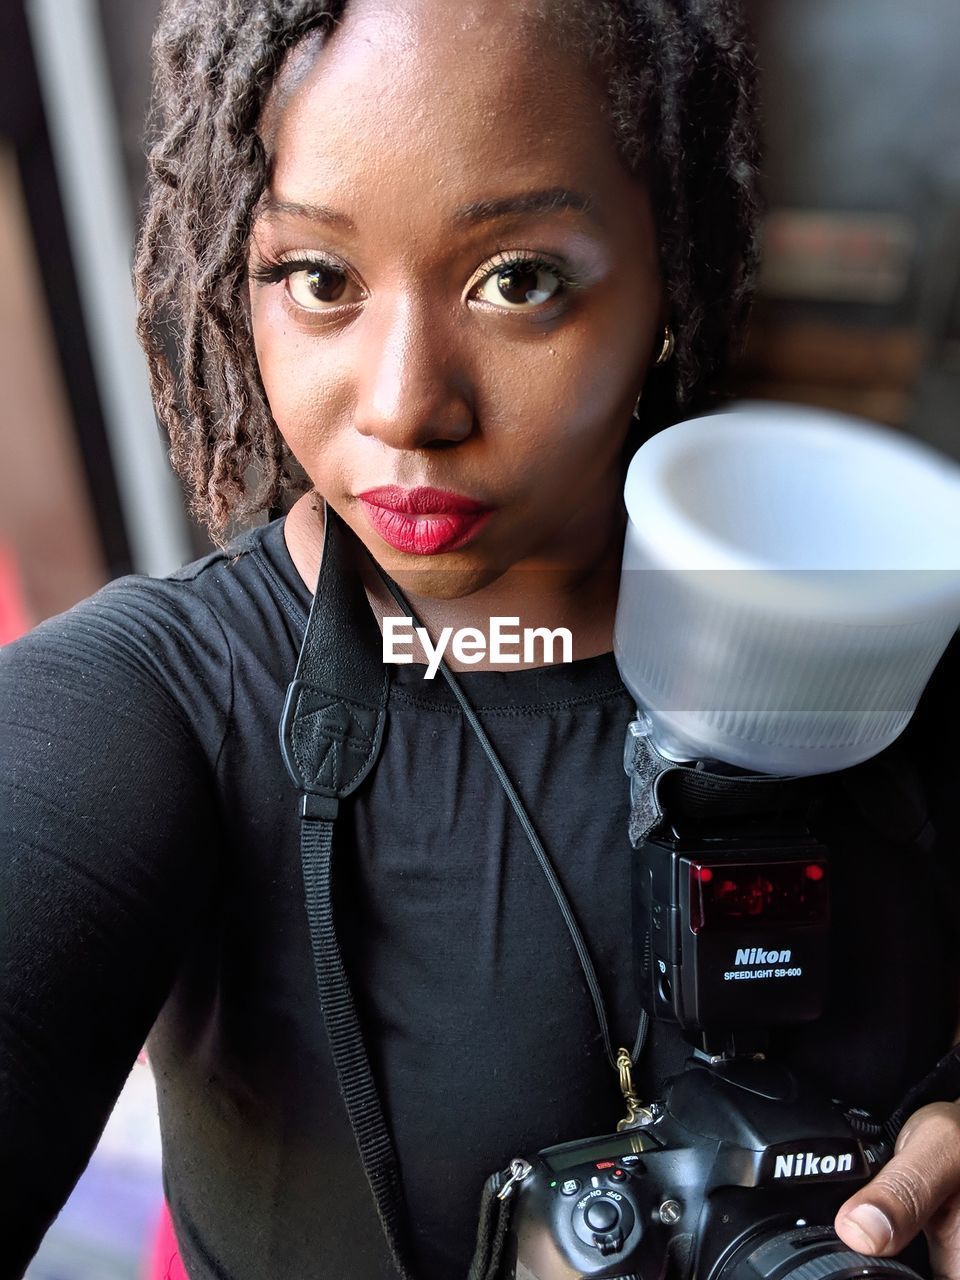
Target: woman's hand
[(919, 1189)]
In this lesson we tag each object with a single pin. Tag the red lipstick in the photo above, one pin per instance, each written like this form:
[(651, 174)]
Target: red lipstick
[(423, 522)]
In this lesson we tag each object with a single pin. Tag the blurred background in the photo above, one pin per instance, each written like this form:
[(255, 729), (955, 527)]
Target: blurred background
[(859, 309)]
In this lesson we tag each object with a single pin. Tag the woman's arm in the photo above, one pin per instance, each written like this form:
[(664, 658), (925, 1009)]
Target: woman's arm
[(108, 844)]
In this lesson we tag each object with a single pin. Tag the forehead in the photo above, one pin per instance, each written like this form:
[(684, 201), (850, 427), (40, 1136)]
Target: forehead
[(460, 98)]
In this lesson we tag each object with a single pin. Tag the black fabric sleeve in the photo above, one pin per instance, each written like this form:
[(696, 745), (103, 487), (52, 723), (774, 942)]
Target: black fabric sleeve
[(108, 856), (937, 735)]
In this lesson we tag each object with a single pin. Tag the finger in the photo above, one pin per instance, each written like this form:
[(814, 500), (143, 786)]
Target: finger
[(924, 1173), (943, 1237)]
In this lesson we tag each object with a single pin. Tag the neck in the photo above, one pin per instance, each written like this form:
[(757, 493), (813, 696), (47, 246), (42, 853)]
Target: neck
[(580, 597)]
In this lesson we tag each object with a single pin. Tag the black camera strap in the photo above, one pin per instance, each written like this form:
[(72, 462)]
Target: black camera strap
[(493, 1223), (331, 731), (942, 1084)]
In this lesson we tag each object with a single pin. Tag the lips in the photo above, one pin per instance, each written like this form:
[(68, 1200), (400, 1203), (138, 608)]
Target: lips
[(423, 522)]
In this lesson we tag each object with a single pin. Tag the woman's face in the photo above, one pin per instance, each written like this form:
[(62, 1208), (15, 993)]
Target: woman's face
[(454, 288)]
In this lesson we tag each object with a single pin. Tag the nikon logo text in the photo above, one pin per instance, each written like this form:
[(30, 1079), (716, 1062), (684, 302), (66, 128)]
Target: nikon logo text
[(804, 1164), (757, 955)]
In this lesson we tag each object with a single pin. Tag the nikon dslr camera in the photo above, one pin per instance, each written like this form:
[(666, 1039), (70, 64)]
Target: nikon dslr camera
[(738, 1171), (737, 1175)]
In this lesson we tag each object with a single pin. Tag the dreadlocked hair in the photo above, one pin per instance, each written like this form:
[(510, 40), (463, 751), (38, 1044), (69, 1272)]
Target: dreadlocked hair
[(681, 96)]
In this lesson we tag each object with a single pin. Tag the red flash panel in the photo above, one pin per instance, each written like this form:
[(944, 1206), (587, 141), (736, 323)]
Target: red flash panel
[(725, 896)]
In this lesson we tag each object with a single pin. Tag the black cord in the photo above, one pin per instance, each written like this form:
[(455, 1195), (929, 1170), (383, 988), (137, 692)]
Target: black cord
[(586, 963)]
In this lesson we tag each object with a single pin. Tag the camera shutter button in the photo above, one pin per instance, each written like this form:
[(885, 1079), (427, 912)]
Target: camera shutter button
[(602, 1215)]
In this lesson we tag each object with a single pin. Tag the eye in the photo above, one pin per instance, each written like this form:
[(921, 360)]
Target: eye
[(522, 283), (318, 286), (314, 284)]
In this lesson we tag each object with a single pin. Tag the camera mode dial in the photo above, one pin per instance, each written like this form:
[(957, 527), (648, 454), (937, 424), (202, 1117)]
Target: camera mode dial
[(603, 1219)]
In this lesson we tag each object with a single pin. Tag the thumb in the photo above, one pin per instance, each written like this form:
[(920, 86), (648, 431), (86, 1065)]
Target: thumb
[(924, 1172)]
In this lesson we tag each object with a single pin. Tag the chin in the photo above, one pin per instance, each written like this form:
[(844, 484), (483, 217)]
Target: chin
[(440, 582)]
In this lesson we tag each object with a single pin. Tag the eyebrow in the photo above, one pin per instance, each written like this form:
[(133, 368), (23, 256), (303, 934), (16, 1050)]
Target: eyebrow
[(271, 206), (550, 200)]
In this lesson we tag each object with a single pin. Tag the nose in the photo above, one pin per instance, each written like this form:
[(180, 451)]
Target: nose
[(410, 394)]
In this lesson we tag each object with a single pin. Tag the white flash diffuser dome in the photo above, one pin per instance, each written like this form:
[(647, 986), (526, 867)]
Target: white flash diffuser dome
[(790, 579)]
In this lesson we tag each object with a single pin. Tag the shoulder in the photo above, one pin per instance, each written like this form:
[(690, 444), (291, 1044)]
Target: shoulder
[(161, 646)]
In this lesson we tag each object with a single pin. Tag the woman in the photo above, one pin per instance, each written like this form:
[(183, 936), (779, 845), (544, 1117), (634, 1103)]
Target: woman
[(425, 261)]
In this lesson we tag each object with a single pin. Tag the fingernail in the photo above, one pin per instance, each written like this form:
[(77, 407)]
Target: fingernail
[(873, 1224)]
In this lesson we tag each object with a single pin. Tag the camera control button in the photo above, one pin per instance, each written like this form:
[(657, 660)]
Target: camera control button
[(609, 1242), (604, 1219), (570, 1187), (618, 1175), (602, 1215)]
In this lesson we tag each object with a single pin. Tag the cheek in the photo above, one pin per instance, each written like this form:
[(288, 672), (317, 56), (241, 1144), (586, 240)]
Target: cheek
[(303, 391), (576, 387)]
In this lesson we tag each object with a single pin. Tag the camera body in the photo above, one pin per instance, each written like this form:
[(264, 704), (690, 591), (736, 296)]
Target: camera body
[(735, 1175)]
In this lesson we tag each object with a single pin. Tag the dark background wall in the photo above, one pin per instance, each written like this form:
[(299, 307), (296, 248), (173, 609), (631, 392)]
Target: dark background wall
[(862, 102), (127, 32)]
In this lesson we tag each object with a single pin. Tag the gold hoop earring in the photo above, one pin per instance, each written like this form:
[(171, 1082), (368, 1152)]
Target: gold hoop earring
[(666, 351)]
